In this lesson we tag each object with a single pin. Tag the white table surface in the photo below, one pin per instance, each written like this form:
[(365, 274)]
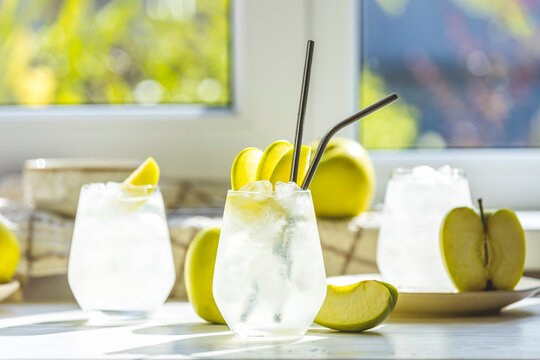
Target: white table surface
[(59, 331)]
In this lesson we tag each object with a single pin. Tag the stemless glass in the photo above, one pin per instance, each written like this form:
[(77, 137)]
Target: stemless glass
[(269, 278), (120, 263), (408, 250)]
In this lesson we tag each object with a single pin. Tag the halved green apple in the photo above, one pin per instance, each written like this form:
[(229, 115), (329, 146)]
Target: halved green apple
[(483, 250), (357, 307)]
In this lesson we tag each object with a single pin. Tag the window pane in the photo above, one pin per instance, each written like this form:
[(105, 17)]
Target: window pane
[(115, 52), (467, 72)]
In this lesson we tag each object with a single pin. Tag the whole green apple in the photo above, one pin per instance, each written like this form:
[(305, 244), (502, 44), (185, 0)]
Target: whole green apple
[(9, 253), (344, 183), (483, 250), (199, 274)]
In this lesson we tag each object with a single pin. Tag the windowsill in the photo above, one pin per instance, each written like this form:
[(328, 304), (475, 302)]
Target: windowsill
[(97, 113), (504, 178)]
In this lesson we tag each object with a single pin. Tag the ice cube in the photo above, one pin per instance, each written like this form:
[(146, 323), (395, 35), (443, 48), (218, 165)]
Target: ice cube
[(291, 198), (113, 190), (95, 188), (452, 174), (258, 186), (446, 170), (428, 175), (289, 187), (424, 172)]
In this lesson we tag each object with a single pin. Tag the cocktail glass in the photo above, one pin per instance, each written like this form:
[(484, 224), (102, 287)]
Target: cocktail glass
[(120, 264), (408, 251), (269, 278)]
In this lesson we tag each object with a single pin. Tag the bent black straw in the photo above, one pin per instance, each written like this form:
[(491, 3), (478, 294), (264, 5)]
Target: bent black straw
[(351, 119)]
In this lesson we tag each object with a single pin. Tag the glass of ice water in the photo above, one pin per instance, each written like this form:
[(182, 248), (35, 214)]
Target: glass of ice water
[(120, 264), (417, 199), (269, 278)]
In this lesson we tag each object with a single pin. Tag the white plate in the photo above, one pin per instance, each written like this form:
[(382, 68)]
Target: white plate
[(450, 303), (8, 289)]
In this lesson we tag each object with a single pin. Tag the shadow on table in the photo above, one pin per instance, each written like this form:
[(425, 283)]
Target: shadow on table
[(6, 312), (489, 318), (44, 328), (21, 309), (207, 340), (182, 329)]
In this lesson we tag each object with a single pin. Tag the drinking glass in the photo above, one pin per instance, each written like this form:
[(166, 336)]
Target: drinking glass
[(269, 278), (408, 250), (120, 263)]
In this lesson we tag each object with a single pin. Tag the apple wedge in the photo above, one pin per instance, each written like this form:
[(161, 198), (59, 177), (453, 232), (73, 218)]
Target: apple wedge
[(357, 307), (244, 167), (282, 170), (483, 250), (270, 158)]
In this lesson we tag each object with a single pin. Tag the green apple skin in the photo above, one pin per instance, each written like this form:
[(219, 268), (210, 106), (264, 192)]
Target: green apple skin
[(9, 254), (483, 258), (344, 183), (357, 307), (393, 292), (199, 274)]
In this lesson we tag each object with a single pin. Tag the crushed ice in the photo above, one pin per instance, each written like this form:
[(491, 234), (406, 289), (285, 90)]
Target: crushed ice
[(258, 186), (284, 188), (426, 174)]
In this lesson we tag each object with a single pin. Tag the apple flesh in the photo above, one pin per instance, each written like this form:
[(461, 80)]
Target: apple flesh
[(357, 307), (483, 250)]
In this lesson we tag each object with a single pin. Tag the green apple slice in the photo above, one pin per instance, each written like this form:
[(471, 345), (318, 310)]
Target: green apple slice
[(393, 292), (244, 167), (282, 170), (483, 251), (357, 307), (270, 158)]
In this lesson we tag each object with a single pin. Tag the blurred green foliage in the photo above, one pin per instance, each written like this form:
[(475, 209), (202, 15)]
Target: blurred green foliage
[(466, 71), (115, 52), (393, 127)]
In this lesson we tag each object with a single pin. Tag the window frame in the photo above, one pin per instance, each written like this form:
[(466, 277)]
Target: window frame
[(263, 109), (502, 177), (268, 53)]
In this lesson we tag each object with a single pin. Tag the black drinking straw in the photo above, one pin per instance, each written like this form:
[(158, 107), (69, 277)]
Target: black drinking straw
[(326, 138), (302, 111)]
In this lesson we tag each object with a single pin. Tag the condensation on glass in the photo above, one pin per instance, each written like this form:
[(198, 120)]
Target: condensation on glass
[(269, 278), (120, 264)]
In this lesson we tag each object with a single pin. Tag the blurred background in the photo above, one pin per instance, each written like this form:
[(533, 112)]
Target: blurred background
[(193, 82), (125, 79), (62, 52), (467, 71)]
